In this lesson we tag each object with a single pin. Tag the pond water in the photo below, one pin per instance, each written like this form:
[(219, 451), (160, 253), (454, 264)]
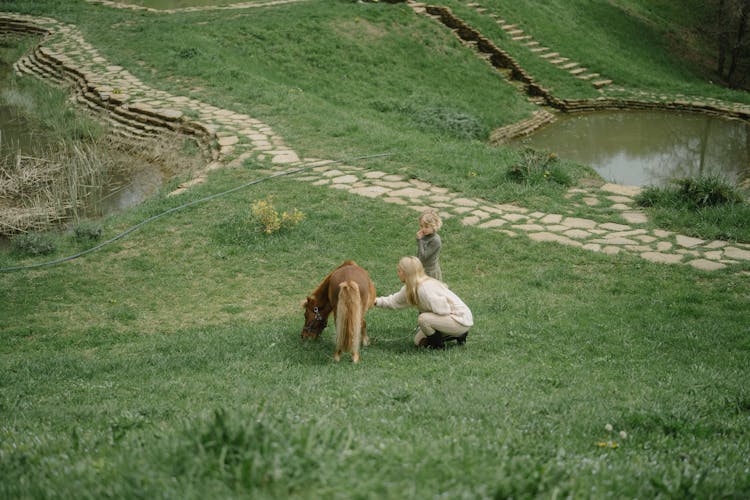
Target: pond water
[(181, 4), (641, 148), (123, 189)]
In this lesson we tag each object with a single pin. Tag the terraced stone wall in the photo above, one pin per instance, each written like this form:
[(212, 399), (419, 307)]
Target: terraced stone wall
[(501, 60), (129, 120)]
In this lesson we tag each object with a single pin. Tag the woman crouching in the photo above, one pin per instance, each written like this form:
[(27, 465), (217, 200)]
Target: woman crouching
[(442, 315)]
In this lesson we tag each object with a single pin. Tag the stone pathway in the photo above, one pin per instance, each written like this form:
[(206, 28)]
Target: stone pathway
[(610, 238), (234, 6), (135, 108)]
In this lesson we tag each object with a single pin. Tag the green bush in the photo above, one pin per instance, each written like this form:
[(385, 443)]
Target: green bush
[(708, 191), (704, 207), (451, 122), (88, 232), (436, 118), (692, 193), (33, 244), (536, 167)]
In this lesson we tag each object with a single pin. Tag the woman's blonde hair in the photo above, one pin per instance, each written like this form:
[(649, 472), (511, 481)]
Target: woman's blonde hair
[(414, 274), (432, 219)]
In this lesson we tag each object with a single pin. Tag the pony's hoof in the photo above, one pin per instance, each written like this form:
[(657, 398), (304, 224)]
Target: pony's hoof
[(337, 357), (355, 358)]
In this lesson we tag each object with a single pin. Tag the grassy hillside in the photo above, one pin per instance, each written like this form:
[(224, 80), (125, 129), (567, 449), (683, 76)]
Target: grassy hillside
[(114, 365), (641, 45), (169, 363)]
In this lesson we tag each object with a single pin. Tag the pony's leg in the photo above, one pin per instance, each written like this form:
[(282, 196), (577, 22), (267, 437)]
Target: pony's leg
[(365, 338), (337, 356), (356, 344)]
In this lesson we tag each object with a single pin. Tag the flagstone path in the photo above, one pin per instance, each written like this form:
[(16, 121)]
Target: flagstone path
[(234, 6), (139, 110)]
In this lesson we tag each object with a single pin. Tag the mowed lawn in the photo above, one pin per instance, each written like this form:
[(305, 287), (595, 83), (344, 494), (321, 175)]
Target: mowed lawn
[(170, 364)]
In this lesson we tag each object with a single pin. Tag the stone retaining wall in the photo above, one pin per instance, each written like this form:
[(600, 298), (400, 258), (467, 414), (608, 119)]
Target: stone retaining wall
[(129, 120), (606, 104), (501, 60), (505, 134)]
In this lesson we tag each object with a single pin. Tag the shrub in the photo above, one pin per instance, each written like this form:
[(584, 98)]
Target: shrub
[(436, 118), (536, 167), (87, 232), (455, 123), (33, 244), (704, 207), (708, 191), (266, 219), (692, 193)]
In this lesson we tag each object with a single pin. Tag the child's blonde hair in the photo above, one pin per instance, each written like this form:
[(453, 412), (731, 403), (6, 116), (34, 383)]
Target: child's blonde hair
[(432, 219)]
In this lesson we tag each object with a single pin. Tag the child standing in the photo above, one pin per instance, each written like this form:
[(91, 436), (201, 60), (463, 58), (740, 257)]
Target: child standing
[(429, 243)]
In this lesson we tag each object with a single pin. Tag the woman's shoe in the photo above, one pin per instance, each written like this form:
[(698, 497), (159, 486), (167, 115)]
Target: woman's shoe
[(435, 341), (460, 339)]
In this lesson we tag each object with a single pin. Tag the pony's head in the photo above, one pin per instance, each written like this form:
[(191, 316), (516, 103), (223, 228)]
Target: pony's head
[(315, 320)]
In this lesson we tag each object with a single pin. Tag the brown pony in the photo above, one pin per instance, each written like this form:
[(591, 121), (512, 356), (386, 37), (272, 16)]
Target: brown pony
[(347, 292)]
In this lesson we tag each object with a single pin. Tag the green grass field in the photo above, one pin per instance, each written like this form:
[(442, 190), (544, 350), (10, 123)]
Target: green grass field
[(169, 363)]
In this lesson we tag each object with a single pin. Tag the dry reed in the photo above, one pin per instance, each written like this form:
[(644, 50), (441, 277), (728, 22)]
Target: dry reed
[(68, 181)]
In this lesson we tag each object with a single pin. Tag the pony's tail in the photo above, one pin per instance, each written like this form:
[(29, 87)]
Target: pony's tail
[(348, 318)]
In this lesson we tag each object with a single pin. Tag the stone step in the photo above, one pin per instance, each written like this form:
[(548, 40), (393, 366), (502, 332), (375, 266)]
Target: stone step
[(54, 68), (517, 35), (125, 131), (32, 66), (117, 126), (94, 104), (42, 58)]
